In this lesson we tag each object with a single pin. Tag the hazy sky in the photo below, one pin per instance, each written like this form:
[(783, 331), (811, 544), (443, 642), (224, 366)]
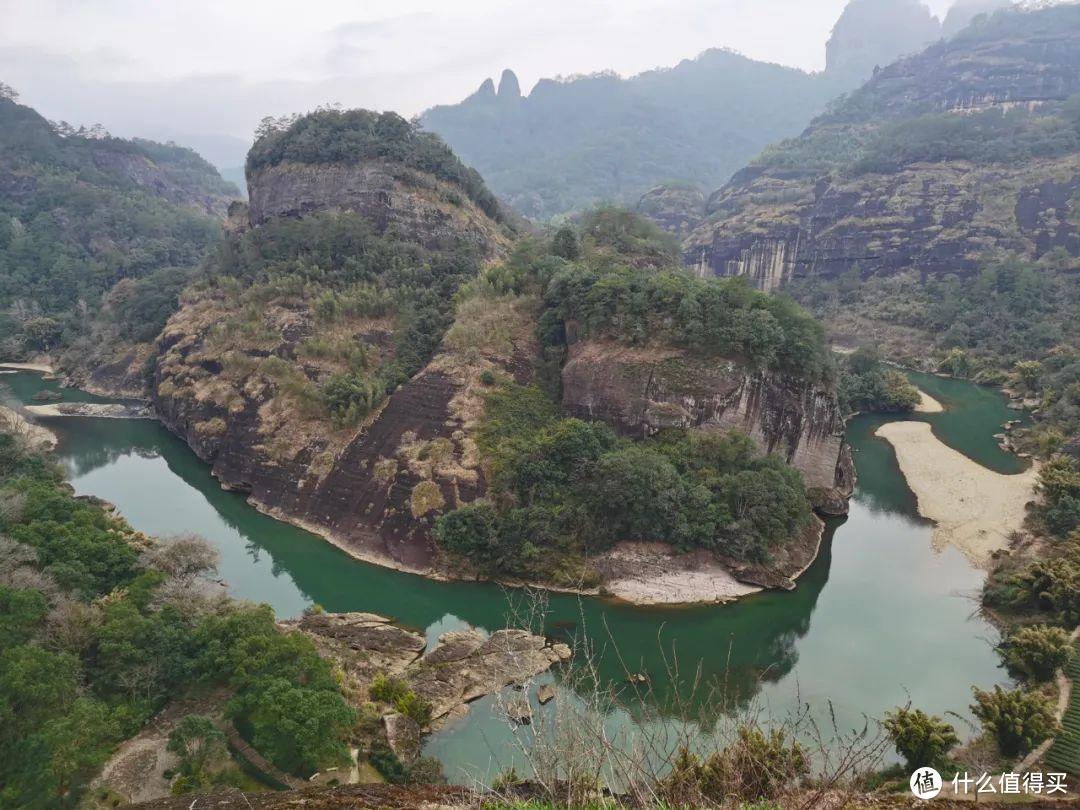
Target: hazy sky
[(166, 68)]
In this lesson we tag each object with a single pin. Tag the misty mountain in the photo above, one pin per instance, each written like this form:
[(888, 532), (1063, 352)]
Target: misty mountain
[(574, 142)]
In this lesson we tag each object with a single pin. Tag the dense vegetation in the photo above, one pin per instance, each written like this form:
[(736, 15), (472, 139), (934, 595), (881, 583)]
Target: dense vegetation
[(80, 212), (100, 627), (355, 136), (562, 489), (866, 385)]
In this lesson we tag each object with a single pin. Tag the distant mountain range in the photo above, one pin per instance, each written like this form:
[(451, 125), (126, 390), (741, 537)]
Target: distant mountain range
[(572, 143)]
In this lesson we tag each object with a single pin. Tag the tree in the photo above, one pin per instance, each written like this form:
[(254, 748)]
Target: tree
[(1018, 720), (1028, 373), (1038, 651), (921, 739), (79, 743), (565, 244)]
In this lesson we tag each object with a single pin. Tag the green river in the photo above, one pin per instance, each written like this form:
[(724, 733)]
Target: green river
[(879, 619)]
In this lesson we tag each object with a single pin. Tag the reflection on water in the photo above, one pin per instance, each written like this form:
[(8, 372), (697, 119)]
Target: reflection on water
[(896, 620)]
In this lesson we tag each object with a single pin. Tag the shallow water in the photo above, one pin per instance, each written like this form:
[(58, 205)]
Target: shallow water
[(878, 619)]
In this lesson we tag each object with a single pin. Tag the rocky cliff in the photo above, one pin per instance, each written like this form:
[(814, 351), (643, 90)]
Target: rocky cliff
[(940, 162), (642, 390), (392, 198)]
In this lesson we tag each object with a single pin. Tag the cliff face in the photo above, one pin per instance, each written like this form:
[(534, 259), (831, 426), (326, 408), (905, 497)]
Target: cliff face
[(938, 163), (392, 198), (641, 390)]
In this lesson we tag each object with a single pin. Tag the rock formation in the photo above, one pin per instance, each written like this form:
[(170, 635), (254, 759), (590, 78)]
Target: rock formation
[(390, 197), (872, 33), (827, 203), (641, 390)]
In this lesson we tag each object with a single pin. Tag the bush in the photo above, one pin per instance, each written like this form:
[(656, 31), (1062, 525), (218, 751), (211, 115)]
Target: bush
[(921, 739), (1018, 720), (1038, 652)]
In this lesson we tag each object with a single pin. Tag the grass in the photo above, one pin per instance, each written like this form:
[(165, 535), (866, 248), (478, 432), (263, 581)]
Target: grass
[(1064, 754)]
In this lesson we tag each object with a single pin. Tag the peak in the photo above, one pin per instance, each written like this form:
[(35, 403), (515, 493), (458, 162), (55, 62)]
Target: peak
[(873, 33), (486, 89), (508, 85)]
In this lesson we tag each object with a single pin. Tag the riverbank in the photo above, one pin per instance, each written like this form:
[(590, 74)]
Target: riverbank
[(635, 573), (11, 421), (975, 509)]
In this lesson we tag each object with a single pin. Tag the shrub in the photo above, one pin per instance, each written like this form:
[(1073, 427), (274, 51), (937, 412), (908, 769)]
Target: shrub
[(1018, 720), (1038, 652), (921, 739)]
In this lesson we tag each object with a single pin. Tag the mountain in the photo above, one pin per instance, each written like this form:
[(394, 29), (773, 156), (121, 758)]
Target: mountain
[(575, 142), (871, 33), (935, 209), (97, 233)]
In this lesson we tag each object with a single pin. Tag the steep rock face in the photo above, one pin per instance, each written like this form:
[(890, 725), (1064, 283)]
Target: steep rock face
[(156, 178), (676, 209), (392, 198), (641, 390), (875, 32), (940, 218), (818, 206), (374, 489)]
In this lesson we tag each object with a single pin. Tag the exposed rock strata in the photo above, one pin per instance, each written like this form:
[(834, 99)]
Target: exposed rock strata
[(641, 390), (394, 199), (808, 209)]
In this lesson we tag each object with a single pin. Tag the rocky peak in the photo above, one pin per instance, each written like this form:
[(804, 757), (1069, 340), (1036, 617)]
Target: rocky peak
[(872, 33), (509, 87), (485, 92)]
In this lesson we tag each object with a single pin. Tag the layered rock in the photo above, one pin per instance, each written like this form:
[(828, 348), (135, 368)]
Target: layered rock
[(459, 668), (810, 207), (642, 390), (392, 198)]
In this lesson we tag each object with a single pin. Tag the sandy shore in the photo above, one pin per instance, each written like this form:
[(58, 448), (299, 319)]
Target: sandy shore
[(975, 509), (42, 367), (927, 404), (14, 422), (653, 574)]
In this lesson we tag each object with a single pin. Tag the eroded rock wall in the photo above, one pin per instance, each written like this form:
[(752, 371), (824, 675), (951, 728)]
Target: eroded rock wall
[(641, 390), (391, 197)]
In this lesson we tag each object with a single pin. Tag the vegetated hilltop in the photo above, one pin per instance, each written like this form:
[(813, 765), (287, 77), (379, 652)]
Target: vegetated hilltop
[(97, 235), (935, 210), (586, 139), (366, 356), (298, 365)]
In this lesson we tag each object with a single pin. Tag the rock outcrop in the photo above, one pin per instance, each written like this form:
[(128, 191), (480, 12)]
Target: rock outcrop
[(838, 198), (461, 667), (641, 390), (870, 33), (392, 198)]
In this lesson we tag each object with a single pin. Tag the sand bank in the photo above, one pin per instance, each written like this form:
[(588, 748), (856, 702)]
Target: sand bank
[(42, 367), (927, 404), (655, 574), (975, 508)]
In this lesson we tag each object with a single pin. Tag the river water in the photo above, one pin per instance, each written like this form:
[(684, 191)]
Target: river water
[(878, 619)]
